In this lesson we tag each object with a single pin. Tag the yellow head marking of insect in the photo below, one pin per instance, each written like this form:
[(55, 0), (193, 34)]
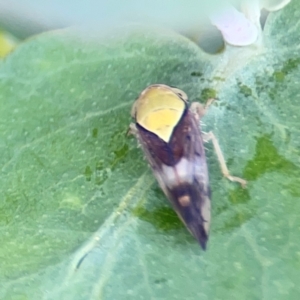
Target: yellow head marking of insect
[(159, 109)]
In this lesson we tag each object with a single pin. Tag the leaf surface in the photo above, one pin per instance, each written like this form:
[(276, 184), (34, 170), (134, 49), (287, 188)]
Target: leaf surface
[(81, 214)]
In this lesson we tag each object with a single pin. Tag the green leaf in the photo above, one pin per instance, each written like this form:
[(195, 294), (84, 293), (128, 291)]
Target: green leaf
[(81, 214)]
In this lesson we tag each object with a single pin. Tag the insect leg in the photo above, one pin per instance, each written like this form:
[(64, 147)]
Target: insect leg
[(132, 130), (199, 109), (210, 136)]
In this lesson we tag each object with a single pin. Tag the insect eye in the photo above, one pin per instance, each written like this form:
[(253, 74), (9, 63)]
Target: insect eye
[(181, 94)]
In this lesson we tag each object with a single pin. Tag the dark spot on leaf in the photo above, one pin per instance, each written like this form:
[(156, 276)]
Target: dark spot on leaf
[(279, 76), (245, 90), (197, 74), (267, 159), (119, 155), (121, 152), (208, 93), (88, 173), (163, 218), (290, 65), (160, 280), (94, 132)]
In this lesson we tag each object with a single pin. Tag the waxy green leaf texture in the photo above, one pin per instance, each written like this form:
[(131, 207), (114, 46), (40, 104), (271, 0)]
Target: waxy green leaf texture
[(81, 216)]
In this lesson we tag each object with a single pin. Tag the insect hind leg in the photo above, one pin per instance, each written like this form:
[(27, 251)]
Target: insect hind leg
[(211, 137)]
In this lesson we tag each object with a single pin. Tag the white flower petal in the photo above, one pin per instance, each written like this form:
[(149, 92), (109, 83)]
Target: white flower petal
[(236, 29)]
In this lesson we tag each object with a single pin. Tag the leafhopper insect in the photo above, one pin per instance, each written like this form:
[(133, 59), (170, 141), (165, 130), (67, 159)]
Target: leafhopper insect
[(168, 131)]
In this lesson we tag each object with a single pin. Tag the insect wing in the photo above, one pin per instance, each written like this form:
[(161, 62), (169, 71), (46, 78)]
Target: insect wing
[(180, 168)]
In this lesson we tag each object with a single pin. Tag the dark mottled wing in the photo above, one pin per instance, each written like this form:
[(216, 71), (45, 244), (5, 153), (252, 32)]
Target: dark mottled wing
[(181, 170)]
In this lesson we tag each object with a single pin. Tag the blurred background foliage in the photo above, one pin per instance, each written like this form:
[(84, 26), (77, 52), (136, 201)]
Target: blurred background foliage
[(20, 20)]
